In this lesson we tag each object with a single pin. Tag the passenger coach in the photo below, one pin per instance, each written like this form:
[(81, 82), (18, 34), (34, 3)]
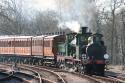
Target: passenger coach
[(29, 49)]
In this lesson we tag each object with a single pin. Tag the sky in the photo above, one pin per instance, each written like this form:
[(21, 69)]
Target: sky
[(72, 12), (53, 4), (44, 4)]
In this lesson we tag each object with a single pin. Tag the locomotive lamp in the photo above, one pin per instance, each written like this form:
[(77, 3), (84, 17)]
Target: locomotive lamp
[(106, 56)]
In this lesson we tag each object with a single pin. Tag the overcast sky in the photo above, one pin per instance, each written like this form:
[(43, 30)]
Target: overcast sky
[(53, 4), (73, 12), (44, 4)]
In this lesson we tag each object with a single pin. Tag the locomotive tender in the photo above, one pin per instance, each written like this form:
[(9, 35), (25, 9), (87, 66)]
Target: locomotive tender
[(56, 50)]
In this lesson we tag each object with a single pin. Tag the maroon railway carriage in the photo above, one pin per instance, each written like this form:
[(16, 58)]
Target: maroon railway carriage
[(44, 47)]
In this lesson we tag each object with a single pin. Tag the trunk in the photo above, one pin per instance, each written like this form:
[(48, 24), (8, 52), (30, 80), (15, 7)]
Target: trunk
[(123, 42), (112, 35)]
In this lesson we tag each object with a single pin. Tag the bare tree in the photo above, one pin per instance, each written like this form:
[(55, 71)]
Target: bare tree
[(123, 37), (11, 16), (46, 21), (110, 25)]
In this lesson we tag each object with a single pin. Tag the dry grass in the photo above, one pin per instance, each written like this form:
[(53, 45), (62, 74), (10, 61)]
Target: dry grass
[(116, 68)]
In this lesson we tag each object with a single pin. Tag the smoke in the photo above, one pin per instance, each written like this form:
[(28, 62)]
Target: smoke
[(77, 13), (72, 25)]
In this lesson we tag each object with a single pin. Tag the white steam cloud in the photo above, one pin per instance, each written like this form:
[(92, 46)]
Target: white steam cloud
[(72, 25), (77, 13)]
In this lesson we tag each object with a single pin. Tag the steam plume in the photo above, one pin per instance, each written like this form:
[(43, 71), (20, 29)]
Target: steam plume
[(77, 13)]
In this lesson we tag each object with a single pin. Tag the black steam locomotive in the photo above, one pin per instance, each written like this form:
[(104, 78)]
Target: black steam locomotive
[(89, 53), (96, 51)]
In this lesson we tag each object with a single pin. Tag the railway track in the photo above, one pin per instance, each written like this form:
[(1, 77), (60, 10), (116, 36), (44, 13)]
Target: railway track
[(30, 73), (24, 74), (120, 76), (10, 78), (69, 77), (108, 79), (93, 78), (47, 75), (55, 75)]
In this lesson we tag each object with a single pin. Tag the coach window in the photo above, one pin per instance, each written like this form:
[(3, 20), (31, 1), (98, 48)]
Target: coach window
[(39, 42), (47, 43), (15, 43), (23, 43), (27, 42), (36, 42), (8, 43), (5, 43), (0, 43), (19, 42), (33, 42)]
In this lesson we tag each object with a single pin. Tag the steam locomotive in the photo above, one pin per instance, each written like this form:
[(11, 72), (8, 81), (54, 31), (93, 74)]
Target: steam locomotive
[(87, 54)]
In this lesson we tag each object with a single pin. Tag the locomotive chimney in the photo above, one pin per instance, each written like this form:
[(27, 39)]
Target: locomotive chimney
[(84, 30)]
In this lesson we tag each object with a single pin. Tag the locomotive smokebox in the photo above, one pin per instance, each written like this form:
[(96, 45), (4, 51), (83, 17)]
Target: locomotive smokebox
[(84, 30)]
